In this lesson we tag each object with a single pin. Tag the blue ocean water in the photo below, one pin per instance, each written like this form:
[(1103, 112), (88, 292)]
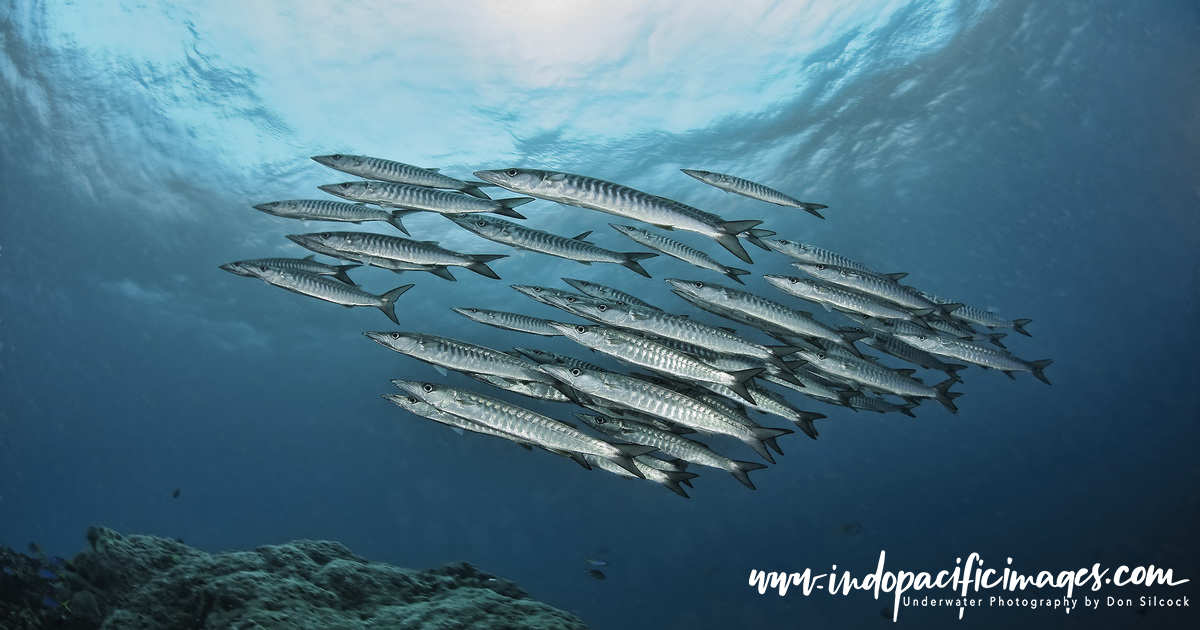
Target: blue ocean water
[(1041, 159)]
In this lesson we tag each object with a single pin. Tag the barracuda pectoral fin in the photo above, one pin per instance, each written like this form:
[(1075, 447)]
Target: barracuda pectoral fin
[(441, 370)]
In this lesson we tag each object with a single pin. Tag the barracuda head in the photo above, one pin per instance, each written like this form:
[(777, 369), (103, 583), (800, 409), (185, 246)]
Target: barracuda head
[(430, 393), (708, 177), (348, 190), (403, 343), (339, 161), (481, 225), (520, 180)]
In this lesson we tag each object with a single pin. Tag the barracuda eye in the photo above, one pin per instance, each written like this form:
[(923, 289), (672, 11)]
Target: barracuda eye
[(821, 355), (481, 223), (395, 335), (427, 387), (792, 280), (537, 289), (570, 299), (576, 371), (821, 267), (262, 267), (581, 329), (601, 420), (921, 337), (337, 156), (698, 285), (326, 235), (601, 307), (512, 172), (412, 400), (344, 185)]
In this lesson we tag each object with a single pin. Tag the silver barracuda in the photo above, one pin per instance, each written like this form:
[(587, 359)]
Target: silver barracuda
[(557, 298), (326, 210), (979, 316), (652, 470), (832, 297), (398, 172), (994, 358), (421, 198), (306, 265), (390, 264), (327, 289), (459, 356), (679, 328), (880, 405), (671, 444), (531, 389), (419, 407), (426, 253), (545, 357), (510, 321), (534, 427), (575, 248), (675, 249), (881, 287), (748, 308), (813, 254), (768, 401), (665, 403), (638, 350), (878, 378), (607, 293), (604, 196), (753, 190)]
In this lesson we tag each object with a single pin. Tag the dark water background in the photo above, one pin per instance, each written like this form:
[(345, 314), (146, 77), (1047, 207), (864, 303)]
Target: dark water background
[(1042, 159)]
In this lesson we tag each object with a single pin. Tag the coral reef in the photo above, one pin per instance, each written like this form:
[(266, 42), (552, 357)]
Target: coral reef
[(134, 582)]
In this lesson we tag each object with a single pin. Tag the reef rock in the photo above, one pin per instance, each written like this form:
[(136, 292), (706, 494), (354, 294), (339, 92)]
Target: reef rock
[(135, 582)]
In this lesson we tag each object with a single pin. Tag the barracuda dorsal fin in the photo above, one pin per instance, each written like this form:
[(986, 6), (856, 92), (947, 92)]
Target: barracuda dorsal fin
[(580, 237)]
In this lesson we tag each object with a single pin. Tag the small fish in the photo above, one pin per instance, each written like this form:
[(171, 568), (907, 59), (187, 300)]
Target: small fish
[(36, 550), (753, 190), (596, 562), (175, 495), (47, 574), (596, 573), (50, 602)]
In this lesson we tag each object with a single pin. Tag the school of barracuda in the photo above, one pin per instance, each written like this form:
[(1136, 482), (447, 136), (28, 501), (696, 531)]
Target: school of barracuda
[(686, 378)]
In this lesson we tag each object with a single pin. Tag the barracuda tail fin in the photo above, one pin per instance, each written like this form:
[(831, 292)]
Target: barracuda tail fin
[(758, 441), (1019, 326), (812, 208), (632, 258), (389, 302), (742, 376), (804, 420), (740, 469), (395, 220), (473, 189), (507, 205), (479, 264), (340, 274), (628, 452), (1038, 366), (945, 396), (676, 477), (733, 273)]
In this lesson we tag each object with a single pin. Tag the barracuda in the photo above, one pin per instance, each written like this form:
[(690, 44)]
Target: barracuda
[(638, 350), (420, 198), (459, 355), (419, 407), (652, 469), (813, 254), (523, 423), (574, 248), (878, 286), (305, 265), (671, 444), (979, 316), (665, 403), (675, 249), (994, 358), (753, 190), (510, 321), (832, 297), (390, 264), (604, 196), (326, 210), (607, 293), (425, 253), (327, 289), (398, 172), (879, 378)]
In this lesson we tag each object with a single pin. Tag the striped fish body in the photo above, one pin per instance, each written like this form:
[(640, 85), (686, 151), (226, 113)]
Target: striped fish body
[(832, 297), (879, 405), (753, 190), (670, 444), (459, 355), (304, 265), (769, 401), (557, 298), (420, 198), (390, 264), (675, 327), (396, 172), (976, 354), (326, 210), (652, 470), (974, 315), (604, 196), (419, 407), (523, 423), (397, 248), (665, 403), (545, 357), (327, 289), (755, 310), (878, 378), (531, 389), (510, 321), (907, 352), (675, 249), (881, 287), (812, 254), (638, 350), (520, 237), (607, 293)]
